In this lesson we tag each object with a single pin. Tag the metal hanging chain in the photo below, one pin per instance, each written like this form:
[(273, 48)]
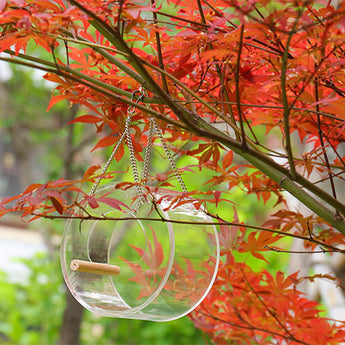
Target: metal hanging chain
[(148, 150), (127, 135), (139, 188), (107, 164), (129, 143), (169, 156), (154, 128)]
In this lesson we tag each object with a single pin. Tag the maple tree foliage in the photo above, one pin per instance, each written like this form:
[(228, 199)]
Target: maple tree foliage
[(217, 74)]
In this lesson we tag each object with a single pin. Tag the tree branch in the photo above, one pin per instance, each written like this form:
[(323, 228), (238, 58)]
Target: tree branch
[(286, 112), (237, 81)]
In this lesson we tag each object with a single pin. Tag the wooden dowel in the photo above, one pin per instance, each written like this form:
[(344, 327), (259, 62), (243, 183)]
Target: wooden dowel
[(94, 267)]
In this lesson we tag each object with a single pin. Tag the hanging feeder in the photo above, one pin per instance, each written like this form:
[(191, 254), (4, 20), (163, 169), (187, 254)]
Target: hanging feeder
[(154, 263), (141, 269)]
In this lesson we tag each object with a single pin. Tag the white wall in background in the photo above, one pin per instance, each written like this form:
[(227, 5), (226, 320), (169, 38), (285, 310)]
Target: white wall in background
[(18, 243)]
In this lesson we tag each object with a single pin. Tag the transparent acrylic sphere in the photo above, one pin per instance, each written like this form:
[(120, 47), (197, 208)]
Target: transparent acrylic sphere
[(166, 269)]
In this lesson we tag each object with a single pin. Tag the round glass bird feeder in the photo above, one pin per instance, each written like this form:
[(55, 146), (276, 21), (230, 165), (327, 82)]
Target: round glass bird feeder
[(139, 268)]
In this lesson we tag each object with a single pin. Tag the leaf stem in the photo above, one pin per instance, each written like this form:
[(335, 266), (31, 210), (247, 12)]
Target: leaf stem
[(159, 51), (316, 87), (237, 81)]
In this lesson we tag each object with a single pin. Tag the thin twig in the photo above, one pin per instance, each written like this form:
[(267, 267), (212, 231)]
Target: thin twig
[(322, 251), (311, 78), (203, 20), (321, 138), (286, 111), (165, 220), (159, 50), (250, 327), (289, 334), (237, 81)]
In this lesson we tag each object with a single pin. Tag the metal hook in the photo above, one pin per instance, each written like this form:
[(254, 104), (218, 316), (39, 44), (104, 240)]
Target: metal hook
[(141, 96)]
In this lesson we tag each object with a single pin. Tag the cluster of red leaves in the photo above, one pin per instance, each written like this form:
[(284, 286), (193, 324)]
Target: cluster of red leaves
[(257, 308), (308, 226), (252, 307), (22, 21), (65, 197), (40, 199), (261, 68)]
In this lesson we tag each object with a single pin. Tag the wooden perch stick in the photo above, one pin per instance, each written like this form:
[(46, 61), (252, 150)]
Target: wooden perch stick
[(93, 267)]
